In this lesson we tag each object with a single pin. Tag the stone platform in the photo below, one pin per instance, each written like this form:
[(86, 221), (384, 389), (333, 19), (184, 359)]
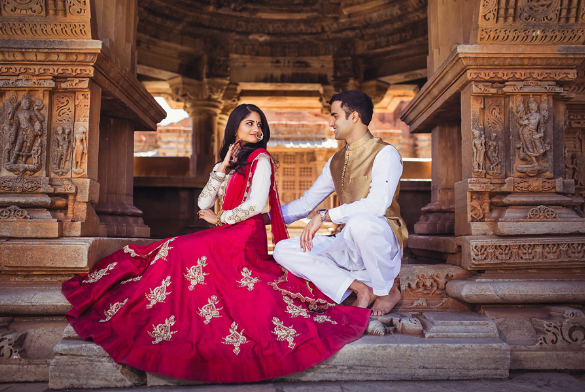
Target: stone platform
[(430, 346)]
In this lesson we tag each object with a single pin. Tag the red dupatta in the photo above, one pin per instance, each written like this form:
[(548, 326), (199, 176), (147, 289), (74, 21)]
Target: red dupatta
[(239, 186)]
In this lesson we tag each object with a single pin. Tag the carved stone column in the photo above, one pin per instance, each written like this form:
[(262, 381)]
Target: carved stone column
[(203, 102), (507, 80), (438, 217), (68, 106), (507, 87), (231, 99)]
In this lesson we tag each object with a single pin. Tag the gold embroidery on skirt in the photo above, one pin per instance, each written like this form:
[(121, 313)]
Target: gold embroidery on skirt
[(114, 308), (97, 275), (321, 318), (236, 338), (294, 310), (284, 333), (209, 311), (308, 286), (133, 253), (163, 331), (195, 274), (164, 251), (247, 280), (158, 294), (135, 279), (315, 304)]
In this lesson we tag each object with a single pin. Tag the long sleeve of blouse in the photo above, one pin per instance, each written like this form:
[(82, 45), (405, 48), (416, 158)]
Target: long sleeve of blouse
[(257, 196), (208, 195), (255, 200)]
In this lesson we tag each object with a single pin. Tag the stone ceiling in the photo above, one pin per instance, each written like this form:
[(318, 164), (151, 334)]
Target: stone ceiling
[(326, 42)]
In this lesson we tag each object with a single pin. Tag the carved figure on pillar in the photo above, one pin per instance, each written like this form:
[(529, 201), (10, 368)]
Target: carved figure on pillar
[(80, 150), (531, 146), (478, 146), (61, 146), (578, 168), (493, 154), (25, 128)]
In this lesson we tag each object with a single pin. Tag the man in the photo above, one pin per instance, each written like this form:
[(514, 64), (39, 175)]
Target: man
[(365, 256)]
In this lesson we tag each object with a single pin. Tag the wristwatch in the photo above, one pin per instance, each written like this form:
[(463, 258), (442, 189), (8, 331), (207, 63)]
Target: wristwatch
[(323, 213)]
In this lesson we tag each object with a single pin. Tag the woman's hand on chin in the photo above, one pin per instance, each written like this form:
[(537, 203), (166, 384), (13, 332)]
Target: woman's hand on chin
[(229, 157), (208, 216)]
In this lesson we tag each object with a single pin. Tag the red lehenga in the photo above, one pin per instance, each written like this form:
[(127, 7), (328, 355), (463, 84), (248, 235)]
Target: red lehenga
[(211, 306)]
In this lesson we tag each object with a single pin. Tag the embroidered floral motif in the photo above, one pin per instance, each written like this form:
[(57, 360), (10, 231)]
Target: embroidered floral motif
[(308, 286), (314, 303), (136, 279), (114, 308), (97, 275), (158, 294), (217, 178), (195, 274), (207, 191), (247, 280), (321, 318), (164, 251), (294, 310), (284, 333), (240, 214), (209, 311), (132, 252), (163, 331), (236, 338), (222, 188)]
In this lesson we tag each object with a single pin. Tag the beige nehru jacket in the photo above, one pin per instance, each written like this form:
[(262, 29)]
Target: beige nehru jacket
[(351, 170)]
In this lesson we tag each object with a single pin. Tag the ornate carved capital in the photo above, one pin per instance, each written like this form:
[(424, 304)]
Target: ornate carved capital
[(199, 94)]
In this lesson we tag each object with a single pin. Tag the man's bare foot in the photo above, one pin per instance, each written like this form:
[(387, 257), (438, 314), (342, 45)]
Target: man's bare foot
[(386, 303), (365, 294)]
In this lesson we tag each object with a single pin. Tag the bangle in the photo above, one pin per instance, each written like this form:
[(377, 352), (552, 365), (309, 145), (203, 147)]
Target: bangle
[(219, 217)]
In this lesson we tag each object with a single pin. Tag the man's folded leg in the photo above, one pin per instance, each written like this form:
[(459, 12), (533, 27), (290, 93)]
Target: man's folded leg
[(332, 280)]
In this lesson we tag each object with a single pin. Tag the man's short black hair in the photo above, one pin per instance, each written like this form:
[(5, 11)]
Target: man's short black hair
[(355, 101)]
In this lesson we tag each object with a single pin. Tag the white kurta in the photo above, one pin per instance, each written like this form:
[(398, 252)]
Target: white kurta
[(365, 250), (254, 202)]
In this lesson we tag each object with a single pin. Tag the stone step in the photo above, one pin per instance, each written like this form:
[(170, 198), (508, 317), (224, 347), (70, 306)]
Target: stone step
[(399, 357)]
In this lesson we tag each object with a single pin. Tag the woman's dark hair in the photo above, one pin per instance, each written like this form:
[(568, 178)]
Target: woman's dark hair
[(231, 129), (355, 101)]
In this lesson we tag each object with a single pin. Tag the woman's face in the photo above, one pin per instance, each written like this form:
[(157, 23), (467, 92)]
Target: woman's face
[(250, 128)]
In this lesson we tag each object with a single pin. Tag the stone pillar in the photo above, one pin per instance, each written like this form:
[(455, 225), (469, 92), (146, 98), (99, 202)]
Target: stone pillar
[(203, 102), (438, 217), (70, 102), (231, 99), (504, 102)]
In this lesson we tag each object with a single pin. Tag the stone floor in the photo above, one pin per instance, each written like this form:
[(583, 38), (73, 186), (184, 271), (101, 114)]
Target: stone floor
[(517, 382)]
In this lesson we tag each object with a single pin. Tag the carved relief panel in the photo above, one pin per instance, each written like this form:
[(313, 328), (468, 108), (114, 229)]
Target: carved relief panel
[(532, 22), (487, 128), (24, 133), (575, 149), (56, 19), (62, 134), (80, 147), (531, 134)]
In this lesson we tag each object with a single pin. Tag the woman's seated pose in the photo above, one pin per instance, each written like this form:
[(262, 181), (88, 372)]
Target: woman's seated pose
[(213, 305)]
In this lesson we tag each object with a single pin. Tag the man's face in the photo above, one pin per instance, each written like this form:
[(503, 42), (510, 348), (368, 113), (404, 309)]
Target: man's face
[(342, 127)]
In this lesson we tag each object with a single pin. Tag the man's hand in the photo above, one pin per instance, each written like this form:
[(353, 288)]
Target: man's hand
[(309, 232), (208, 216)]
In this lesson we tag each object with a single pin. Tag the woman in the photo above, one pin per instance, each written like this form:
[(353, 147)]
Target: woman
[(213, 305)]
